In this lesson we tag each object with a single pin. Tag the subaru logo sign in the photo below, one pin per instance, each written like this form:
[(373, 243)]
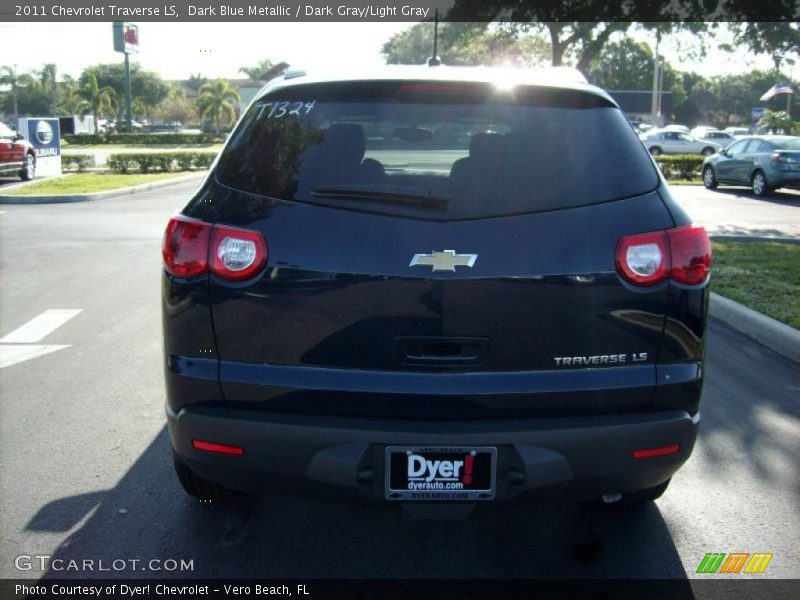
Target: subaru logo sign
[(44, 133), (45, 136)]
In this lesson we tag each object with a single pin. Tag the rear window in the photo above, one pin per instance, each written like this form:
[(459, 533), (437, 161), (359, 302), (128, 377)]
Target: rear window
[(436, 150), (790, 144)]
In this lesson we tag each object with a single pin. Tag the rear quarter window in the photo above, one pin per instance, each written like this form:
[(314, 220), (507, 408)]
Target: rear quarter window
[(436, 150)]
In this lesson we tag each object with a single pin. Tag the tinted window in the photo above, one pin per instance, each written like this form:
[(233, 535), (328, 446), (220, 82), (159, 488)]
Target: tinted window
[(753, 146), (5, 132), (738, 147), (791, 144), (474, 151)]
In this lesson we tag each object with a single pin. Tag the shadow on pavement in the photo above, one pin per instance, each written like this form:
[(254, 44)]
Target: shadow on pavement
[(783, 197), (147, 516), (761, 433)]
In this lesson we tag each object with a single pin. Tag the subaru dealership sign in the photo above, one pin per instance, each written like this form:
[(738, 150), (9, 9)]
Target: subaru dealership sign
[(45, 136)]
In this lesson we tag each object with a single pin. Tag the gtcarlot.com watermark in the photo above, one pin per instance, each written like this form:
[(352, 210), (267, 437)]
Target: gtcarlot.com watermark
[(45, 562)]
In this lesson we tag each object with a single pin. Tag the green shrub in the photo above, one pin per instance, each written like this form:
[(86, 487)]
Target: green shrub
[(79, 162), (680, 166), (164, 139), (145, 162), (120, 163)]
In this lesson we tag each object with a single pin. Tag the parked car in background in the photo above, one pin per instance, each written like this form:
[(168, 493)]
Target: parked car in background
[(435, 287), (764, 163), (737, 131), (677, 142), (701, 130), (723, 138), (681, 128), (17, 156)]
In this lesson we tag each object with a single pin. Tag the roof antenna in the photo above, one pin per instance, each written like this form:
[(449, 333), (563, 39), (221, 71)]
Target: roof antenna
[(434, 61)]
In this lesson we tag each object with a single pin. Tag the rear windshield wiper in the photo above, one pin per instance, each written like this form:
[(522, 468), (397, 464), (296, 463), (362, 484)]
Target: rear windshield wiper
[(421, 199)]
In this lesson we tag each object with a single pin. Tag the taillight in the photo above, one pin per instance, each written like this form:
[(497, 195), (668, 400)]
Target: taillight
[(683, 254), (237, 254), (780, 160), (192, 247), (185, 247), (690, 253)]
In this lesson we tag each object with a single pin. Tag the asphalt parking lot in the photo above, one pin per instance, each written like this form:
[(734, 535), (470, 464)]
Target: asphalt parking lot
[(85, 470)]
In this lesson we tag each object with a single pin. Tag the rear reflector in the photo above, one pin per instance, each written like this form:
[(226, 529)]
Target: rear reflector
[(218, 448), (683, 254), (662, 451)]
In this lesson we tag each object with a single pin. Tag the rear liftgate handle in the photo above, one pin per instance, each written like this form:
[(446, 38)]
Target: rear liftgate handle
[(443, 350)]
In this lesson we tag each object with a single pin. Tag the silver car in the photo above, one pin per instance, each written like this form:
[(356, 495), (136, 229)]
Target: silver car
[(676, 142), (762, 162), (723, 138)]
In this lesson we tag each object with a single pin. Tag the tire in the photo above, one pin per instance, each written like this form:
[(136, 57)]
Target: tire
[(758, 183), (29, 170), (655, 151), (196, 486), (709, 179), (708, 151), (646, 495)]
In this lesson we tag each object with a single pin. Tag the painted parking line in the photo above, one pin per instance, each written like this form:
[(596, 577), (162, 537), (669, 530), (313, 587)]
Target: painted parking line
[(39, 327), (13, 354), (21, 344)]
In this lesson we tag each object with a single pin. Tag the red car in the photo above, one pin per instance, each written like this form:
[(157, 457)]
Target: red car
[(17, 156)]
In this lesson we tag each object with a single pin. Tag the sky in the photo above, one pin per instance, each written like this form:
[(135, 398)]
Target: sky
[(177, 50)]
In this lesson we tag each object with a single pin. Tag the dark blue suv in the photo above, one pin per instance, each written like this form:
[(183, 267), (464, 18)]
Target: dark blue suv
[(438, 287)]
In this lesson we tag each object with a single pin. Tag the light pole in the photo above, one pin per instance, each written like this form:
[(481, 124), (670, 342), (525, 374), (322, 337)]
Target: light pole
[(14, 95), (655, 106)]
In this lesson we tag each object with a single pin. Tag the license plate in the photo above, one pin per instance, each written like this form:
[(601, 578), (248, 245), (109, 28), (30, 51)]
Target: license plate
[(440, 473)]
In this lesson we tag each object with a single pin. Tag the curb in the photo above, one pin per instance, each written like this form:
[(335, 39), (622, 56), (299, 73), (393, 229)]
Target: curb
[(752, 238), (98, 195), (765, 330)]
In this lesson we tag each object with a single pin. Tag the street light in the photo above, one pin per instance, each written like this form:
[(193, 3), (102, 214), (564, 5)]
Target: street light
[(655, 107)]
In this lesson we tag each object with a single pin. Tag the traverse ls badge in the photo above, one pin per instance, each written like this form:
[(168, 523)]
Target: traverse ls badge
[(446, 260)]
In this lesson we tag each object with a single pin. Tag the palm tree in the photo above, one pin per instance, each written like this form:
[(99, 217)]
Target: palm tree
[(257, 73), (47, 78), (69, 96), (217, 101), (196, 81), (96, 100), (9, 77)]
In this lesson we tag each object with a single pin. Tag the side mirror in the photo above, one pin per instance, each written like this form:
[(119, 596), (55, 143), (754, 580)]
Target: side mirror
[(17, 137)]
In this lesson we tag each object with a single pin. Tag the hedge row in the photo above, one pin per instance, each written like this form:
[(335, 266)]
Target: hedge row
[(680, 166), (77, 162), (144, 138), (159, 161)]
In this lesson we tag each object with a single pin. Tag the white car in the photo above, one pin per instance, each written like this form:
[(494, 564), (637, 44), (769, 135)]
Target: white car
[(681, 128), (677, 142), (723, 138), (701, 130), (737, 132)]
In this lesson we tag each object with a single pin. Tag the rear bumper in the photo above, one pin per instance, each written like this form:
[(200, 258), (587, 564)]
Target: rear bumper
[(564, 458)]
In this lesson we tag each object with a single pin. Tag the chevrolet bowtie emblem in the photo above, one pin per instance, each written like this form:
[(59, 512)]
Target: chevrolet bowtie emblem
[(446, 260)]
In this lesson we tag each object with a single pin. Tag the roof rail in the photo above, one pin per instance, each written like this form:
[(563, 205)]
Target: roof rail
[(292, 73)]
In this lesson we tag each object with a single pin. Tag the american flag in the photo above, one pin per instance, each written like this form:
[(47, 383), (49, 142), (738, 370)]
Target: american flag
[(778, 88)]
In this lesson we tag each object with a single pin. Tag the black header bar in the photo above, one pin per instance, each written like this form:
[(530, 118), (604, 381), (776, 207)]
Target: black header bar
[(397, 10)]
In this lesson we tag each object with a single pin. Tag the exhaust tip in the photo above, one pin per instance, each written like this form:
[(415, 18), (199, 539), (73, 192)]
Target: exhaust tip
[(611, 498)]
